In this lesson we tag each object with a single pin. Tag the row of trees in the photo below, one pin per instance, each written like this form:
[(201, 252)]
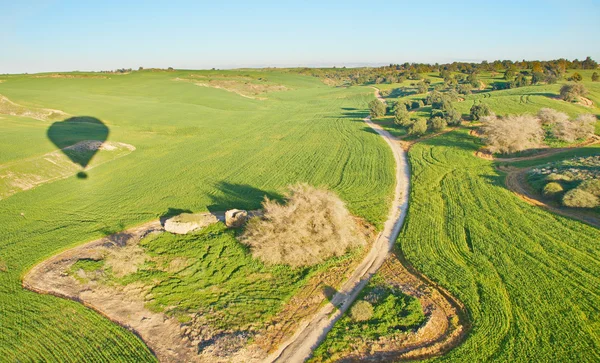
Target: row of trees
[(395, 73)]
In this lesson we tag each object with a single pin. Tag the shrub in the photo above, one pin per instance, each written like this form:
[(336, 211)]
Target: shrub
[(402, 117), (419, 127), (591, 186), (401, 104), (576, 77), (361, 311), (438, 124), (572, 92), (377, 108), (312, 226), (579, 198), (417, 104), (580, 128), (552, 189), (557, 177), (464, 89), (595, 77), (480, 110), (511, 133), (422, 87), (549, 116), (453, 117), (537, 77)]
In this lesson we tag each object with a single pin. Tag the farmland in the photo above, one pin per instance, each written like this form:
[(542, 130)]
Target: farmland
[(196, 148), (181, 141)]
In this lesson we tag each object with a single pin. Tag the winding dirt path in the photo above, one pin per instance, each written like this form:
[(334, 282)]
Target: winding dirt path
[(311, 333), (516, 181), (436, 336)]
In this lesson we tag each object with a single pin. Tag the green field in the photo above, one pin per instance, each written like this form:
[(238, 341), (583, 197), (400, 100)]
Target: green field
[(197, 148), (527, 277)]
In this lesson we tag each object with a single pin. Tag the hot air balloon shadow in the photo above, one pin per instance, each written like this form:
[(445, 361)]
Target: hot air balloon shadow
[(69, 136)]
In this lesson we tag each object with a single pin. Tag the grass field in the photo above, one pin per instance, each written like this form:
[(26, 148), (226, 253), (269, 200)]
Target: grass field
[(198, 148), (526, 276)]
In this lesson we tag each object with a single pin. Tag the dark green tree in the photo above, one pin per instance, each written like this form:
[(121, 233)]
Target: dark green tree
[(377, 109), (479, 110)]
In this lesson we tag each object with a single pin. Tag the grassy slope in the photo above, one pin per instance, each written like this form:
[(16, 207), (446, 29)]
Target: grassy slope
[(197, 148), (527, 276)]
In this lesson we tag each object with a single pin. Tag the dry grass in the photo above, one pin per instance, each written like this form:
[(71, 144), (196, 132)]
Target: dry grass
[(311, 227)]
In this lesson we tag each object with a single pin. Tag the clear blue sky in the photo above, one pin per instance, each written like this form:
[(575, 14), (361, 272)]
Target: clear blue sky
[(48, 35)]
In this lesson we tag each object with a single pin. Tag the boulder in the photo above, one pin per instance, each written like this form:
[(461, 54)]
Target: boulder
[(235, 218), (187, 222)]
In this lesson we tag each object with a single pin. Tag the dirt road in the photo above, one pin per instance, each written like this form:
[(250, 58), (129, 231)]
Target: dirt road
[(311, 333)]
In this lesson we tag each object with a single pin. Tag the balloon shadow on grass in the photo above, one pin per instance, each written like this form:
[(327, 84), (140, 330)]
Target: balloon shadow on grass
[(71, 135)]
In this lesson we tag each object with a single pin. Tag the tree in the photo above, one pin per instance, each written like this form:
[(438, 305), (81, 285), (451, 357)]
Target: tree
[(537, 77), (402, 117), (419, 127), (519, 81), (438, 124), (549, 116), (595, 77), (509, 74), (422, 87), (377, 108), (572, 92), (417, 104), (464, 89), (401, 104), (141, 69), (479, 110), (473, 80), (511, 133), (576, 77), (453, 117)]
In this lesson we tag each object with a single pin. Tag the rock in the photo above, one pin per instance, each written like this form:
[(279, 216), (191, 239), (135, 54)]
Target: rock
[(235, 218), (188, 222)]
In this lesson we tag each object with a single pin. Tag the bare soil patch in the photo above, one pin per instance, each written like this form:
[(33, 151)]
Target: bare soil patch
[(60, 75), (29, 173), (169, 339), (7, 107), (244, 88)]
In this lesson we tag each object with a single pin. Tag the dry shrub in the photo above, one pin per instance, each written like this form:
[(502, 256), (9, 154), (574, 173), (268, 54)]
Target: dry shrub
[(591, 186), (312, 226), (511, 133), (361, 311), (550, 116), (579, 198), (580, 128)]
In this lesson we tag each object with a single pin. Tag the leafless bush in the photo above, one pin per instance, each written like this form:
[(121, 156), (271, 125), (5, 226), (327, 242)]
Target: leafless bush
[(312, 226), (511, 133), (550, 116), (580, 128)]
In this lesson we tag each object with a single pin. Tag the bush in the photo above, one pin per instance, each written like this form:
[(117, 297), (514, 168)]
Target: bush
[(453, 117), (464, 89), (401, 104), (576, 77), (579, 198), (580, 128), (480, 110), (402, 117), (438, 124), (595, 77), (419, 127), (417, 104), (549, 116), (572, 92), (552, 189), (377, 108), (361, 311), (591, 186), (511, 133), (312, 226), (422, 87)]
